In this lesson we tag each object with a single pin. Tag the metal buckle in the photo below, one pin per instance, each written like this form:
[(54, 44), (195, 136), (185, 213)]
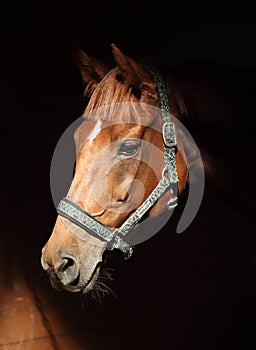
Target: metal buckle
[(129, 253), (117, 243), (169, 134), (172, 203)]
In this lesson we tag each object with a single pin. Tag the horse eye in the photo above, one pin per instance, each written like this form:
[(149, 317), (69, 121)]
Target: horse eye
[(128, 148)]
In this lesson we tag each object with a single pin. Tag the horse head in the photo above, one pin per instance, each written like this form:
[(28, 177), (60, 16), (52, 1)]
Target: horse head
[(119, 161)]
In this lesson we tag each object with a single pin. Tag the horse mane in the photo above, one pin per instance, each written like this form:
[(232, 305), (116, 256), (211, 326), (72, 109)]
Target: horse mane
[(215, 102), (215, 94)]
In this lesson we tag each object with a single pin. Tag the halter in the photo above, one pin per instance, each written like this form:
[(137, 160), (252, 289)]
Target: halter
[(115, 239)]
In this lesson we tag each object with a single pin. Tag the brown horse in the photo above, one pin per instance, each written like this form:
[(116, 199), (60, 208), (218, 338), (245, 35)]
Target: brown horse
[(116, 119)]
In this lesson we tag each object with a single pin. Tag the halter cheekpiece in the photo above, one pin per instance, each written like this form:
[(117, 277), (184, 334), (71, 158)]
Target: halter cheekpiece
[(115, 239)]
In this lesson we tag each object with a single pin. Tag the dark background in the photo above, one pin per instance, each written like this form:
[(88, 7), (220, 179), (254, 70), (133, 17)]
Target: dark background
[(201, 287)]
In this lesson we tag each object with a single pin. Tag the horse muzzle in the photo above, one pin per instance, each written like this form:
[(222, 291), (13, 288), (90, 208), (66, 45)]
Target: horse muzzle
[(72, 264), (68, 274)]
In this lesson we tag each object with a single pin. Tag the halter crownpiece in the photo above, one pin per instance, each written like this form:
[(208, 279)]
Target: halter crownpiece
[(115, 239)]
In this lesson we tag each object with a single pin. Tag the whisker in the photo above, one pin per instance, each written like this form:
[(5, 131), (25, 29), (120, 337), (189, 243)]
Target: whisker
[(101, 288)]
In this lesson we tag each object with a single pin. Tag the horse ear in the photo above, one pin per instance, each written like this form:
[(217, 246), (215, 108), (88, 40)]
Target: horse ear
[(137, 76), (91, 69)]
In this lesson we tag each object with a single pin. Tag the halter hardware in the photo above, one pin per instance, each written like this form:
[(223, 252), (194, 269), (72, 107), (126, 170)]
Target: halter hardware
[(169, 134), (115, 239)]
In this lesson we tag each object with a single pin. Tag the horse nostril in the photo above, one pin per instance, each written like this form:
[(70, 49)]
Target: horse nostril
[(67, 270), (124, 199), (65, 264)]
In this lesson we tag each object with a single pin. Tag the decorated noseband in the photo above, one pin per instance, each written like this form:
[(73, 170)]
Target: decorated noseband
[(115, 239)]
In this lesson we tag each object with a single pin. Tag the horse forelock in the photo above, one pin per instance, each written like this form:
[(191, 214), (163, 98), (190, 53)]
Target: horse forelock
[(113, 100)]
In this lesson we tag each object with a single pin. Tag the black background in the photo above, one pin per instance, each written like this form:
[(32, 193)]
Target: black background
[(41, 87), (211, 269)]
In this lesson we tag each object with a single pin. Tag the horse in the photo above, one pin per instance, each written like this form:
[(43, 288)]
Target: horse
[(117, 119), (122, 115)]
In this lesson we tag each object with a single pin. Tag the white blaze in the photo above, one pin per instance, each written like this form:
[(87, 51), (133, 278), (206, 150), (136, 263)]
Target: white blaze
[(95, 131)]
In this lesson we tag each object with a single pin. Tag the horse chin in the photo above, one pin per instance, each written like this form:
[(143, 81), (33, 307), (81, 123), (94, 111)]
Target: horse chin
[(93, 280)]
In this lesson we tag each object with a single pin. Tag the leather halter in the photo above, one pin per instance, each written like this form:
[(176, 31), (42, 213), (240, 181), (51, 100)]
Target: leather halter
[(115, 239)]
